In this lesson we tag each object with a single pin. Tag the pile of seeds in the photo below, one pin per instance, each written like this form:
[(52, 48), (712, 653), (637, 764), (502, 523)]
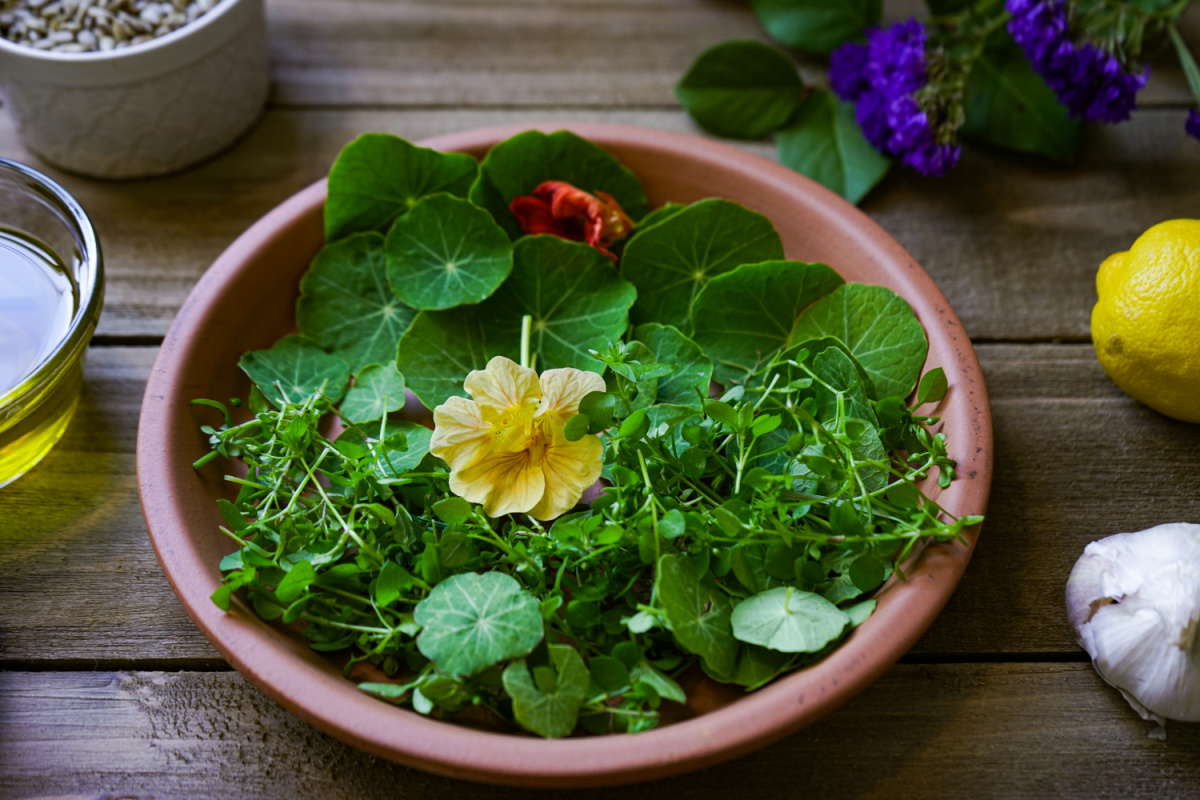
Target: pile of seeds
[(81, 26)]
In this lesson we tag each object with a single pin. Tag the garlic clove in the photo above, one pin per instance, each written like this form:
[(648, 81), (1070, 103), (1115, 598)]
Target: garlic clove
[(1133, 600)]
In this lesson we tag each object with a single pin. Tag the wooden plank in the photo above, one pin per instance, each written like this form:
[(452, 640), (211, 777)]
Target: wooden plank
[(1075, 460), (951, 731), (1014, 242), (532, 53)]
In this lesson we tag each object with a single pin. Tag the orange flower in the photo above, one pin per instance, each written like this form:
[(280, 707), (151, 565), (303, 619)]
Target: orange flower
[(562, 210), (506, 447)]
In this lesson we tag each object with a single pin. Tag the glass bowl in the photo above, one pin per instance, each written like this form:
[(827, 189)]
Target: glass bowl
[(36, 410)]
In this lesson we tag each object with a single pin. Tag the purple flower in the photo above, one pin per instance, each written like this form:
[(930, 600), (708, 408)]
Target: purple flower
[(882, 78), (1089, 81), (1192, 126)]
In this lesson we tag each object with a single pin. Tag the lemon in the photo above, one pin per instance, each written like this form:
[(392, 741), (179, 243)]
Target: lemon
[(1146, 325)]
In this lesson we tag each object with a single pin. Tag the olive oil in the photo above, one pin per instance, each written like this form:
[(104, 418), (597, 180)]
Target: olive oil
[(38, 300)]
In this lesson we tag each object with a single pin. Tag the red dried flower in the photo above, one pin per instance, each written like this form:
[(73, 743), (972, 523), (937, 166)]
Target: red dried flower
[(562, 210)]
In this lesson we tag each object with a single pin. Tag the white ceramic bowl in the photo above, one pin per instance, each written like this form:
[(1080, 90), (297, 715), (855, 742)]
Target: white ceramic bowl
[(144, 110)]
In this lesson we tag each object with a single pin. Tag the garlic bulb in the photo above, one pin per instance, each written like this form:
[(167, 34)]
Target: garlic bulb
[(1134, 602)]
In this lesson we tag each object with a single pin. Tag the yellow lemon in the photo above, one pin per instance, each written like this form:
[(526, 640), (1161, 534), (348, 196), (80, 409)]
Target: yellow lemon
[(1146, 326)]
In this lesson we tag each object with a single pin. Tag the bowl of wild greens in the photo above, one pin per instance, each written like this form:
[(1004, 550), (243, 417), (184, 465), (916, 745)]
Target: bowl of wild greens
[(708, 452)]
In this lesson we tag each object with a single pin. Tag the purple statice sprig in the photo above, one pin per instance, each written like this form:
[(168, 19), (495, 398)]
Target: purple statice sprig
[(1192, 126), (902, 112), (1089, 80)]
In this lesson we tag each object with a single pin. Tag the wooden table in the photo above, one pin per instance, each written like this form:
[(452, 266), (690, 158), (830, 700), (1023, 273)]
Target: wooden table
[(107, 687)]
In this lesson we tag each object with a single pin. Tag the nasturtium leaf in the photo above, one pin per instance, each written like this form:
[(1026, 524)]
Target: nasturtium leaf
[(880, 329), (295, 369), (378, 389), (757, 666), (516, 166), (742, 89), (670, 262), (743, 317), (378, 177), (817, 26), (824, 142), (346, 305), (867, 572), (698, 612), (666, 687), (836, 374), (663, 212), (576, 300), (788, 620), (446, 252), (550, 706), (471, 621), (860, 612), (1009, 105), (688, 384)]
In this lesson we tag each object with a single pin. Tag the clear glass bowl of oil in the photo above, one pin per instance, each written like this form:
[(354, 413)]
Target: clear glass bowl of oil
[(51, 291)]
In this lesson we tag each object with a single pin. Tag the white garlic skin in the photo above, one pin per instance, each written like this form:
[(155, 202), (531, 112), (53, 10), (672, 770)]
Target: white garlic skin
[(1134, 602)]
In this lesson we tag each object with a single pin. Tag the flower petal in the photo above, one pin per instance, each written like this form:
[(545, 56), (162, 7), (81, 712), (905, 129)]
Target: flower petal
[(504, 384), (562, 389), (569, 469), (503, 483), (460, 435)]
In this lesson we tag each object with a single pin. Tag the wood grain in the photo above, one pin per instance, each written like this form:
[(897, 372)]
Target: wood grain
[(1073, 463), (1012, 241), (534, 53), (950, 731)]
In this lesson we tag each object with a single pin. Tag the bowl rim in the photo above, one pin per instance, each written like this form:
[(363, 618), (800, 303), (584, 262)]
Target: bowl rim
[(752, 721)]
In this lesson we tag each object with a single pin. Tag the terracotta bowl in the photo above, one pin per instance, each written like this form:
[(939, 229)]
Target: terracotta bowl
[(246, 300)]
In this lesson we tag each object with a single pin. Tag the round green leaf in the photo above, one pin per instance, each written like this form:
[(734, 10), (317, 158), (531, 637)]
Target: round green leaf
[(817, 26), (346, 306), (295, 369), (576, 300), (672, 261), (446, 252), (516, 166), (550, 706), (693, 368), (880, 329), (824, 142), (378, 177), (470, 622), (378, 389), (741, 89), (788, 620), (698, 612), (743, 317)]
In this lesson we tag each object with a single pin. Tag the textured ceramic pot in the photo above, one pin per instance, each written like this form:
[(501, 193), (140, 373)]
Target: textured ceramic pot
[(144, 110), (247, 300)]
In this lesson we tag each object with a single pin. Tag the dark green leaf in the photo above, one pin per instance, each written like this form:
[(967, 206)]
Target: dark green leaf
[(295, 581), (1010, 106), (551, 710), (698, 612), (671, 262), (663, 212), (576, 427), (824, 142), (515, 167), (667, 688), (472, 621), (741, 89), (346, 305), (378, 177), (788, 620), (378, 389), (393, 581), (609, 673), (693, 368), (452, 510), (817, 26), (722, 412), (446, 252), (743, 317), (867, 572), (880, 329), (295, 369)]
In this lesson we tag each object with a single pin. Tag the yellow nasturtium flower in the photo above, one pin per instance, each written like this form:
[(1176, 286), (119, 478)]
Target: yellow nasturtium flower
[(506, 448)]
